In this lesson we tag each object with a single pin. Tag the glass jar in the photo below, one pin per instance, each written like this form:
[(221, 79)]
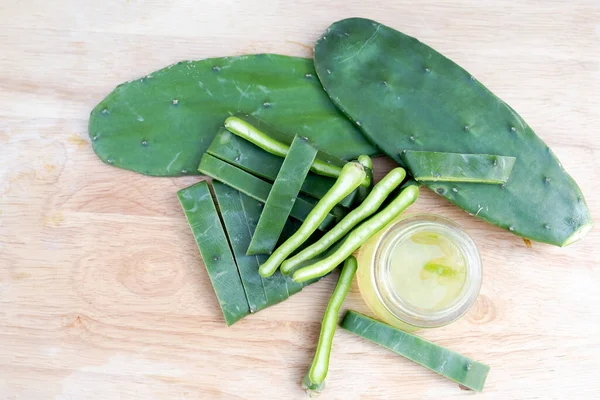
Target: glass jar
[(421, 271)]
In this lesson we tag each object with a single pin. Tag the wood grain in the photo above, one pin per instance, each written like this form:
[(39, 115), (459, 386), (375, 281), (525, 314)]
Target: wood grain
[(102, 290)]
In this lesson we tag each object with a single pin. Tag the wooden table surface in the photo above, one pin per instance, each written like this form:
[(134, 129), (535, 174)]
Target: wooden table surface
[(102, 290)]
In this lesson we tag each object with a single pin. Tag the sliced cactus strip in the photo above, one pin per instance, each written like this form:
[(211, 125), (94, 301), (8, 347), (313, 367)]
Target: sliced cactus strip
[(241, 214), (282, 196), (406, 96), (161, 124), (277, 287), (251, 158), (462, 370), (252, 186), (238, 231), (201, 213), (454, 167)]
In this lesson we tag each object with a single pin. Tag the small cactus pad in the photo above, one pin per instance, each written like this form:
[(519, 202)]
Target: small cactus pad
[(161, 124), (406, 96)]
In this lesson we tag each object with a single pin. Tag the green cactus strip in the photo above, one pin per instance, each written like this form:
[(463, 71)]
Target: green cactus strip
[(252, 186), (162, 124), (282, 196), (238, 232), (201, 213), (278, 143), (251, 158), (276, 288), (241, 218), (406, 96), (460, 369), (452, 167)]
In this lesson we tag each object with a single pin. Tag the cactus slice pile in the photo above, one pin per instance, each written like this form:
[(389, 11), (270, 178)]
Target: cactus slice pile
[(286, 142), (406, 96), (161, 124)]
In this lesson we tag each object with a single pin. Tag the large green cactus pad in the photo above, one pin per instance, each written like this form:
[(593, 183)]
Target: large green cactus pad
[(406, 96), (161, 124)]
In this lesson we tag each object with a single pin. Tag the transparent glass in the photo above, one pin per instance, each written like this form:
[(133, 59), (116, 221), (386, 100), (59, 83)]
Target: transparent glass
[(380, 261)]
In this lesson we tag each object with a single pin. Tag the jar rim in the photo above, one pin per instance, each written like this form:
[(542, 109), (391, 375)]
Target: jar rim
[(411, 314)]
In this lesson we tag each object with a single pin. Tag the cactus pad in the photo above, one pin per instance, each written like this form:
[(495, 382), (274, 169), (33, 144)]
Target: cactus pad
[(406, 96), (161, 124)]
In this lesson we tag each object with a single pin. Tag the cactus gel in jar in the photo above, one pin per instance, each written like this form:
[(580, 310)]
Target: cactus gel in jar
[(421, 271)]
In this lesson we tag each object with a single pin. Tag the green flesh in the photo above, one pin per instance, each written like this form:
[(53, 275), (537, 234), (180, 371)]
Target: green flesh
[(453, 167), (238, 230), (406, 96), (252, 186), (282, 196), (461, 369), (249, 157), (162, 124), (203, 218)]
